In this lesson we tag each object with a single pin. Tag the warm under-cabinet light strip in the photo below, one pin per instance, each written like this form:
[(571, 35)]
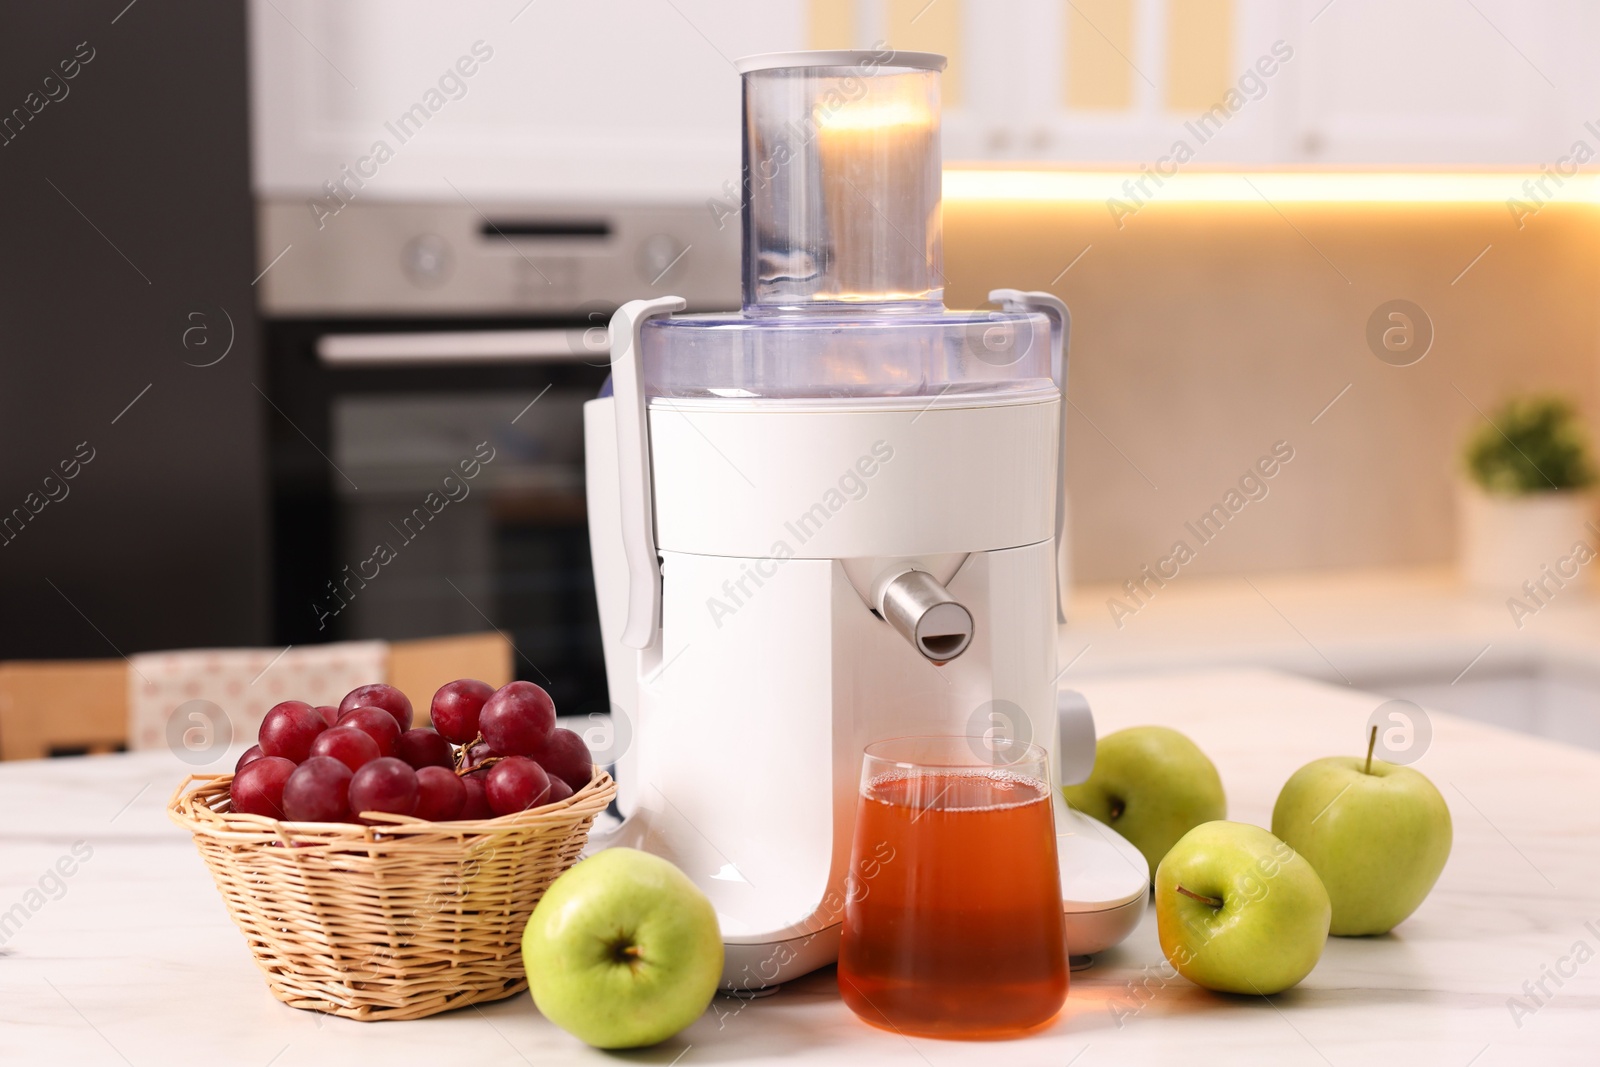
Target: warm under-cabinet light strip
[(1496, 187)]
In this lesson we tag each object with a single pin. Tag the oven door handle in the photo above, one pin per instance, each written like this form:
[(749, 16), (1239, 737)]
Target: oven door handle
[(359, 350)]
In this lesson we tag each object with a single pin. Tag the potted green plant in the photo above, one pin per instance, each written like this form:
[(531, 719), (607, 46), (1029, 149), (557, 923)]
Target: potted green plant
[(1528, 502)]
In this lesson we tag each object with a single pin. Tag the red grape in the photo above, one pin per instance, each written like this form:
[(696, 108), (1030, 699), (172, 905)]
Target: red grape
[(352, 747), (564, 755), (289, 729), (423, 747), (329, 713), (382, 696), (476, 805), (258, 788), (456, 706), (559, 791), (440, 794), (386, 784), (376, 724), (251, 754), (318, 791), (517, 719), (516, 784)]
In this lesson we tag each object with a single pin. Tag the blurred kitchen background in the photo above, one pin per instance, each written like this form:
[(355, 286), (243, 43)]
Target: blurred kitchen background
[(276, 337)]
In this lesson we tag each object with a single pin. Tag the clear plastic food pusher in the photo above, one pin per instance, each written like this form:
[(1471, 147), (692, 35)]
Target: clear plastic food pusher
[(842, 179)]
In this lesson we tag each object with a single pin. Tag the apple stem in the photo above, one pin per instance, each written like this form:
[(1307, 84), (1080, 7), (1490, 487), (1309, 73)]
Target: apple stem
[(1372, 741), (1215, 902)]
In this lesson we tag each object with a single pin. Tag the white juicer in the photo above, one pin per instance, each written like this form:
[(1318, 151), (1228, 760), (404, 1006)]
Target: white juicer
[(830, 519)]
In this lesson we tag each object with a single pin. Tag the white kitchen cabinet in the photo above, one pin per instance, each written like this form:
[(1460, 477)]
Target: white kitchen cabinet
[(1378, 82), (638, 100), (632, 100), (1134, 120), (1365, 82), (1437, 81)]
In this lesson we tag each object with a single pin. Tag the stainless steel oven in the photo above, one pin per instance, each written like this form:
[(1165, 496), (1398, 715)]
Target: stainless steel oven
[(426, 435)]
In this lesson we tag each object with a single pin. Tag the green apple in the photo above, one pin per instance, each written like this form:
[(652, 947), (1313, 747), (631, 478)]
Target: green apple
[(1152, 785), (1377, 834), (623, 950), (1238, 911)]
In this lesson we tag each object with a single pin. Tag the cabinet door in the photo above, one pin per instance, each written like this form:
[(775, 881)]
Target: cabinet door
[(598, 99), (1125, 81), (1267, 82), (1435, 81)]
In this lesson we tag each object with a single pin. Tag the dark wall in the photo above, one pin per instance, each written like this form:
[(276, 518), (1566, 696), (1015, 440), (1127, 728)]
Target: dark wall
[(126, 222)]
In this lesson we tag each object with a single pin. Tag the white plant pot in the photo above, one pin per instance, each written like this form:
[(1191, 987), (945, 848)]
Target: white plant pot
[(1509, 540)]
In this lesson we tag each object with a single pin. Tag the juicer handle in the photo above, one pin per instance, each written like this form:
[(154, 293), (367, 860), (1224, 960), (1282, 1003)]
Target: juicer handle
[(1075, 738), (633, 468), (1060, 336)]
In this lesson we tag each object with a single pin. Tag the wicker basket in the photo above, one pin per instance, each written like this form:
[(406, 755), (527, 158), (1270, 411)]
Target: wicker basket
[(396, 921)]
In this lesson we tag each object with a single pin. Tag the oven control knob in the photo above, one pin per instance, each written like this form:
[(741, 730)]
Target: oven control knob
[(659, 255), (426, 260)]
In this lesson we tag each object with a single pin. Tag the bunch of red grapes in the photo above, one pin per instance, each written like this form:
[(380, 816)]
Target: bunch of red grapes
[(330, 764)]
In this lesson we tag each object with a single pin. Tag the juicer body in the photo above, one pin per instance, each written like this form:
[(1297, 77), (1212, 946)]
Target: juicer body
[(829, 519), (766, 669)]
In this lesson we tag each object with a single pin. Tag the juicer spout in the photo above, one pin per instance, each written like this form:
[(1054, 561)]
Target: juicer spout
[(922, 611)]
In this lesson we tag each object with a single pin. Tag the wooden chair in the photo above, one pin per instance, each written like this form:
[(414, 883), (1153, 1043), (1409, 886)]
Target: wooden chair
[(63, 708), (419, 668), (78, 707)]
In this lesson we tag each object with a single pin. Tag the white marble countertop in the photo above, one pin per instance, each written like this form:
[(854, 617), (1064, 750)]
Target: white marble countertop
[(1419, 634), (1335, 625), (132, 959)]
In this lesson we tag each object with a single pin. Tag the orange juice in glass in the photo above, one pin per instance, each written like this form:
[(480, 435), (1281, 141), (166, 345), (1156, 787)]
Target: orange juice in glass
[(953, 924)]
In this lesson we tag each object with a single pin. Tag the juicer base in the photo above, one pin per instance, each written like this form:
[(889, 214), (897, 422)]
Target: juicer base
[(748, 969), (1092, 932)]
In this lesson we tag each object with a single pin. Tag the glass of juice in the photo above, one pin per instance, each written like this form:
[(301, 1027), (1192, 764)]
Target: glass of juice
[(952, 919)]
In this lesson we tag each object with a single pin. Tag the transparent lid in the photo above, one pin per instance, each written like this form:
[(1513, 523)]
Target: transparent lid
[(937, 353)]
